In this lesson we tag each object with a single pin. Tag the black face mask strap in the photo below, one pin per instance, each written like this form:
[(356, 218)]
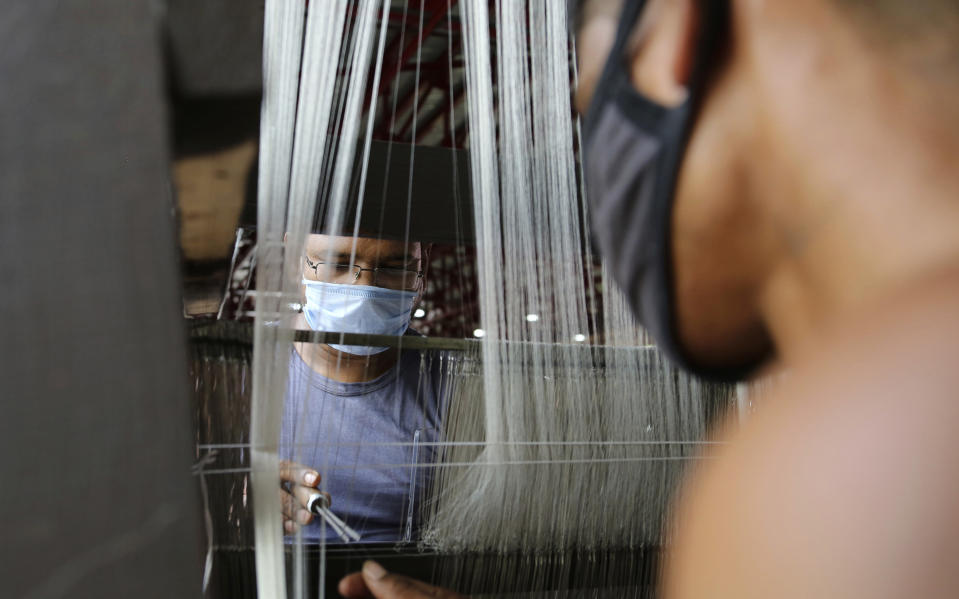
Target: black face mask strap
[(715, 17), (713, 25), (629, 16)]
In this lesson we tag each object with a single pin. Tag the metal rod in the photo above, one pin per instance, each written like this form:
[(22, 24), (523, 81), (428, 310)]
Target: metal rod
[(242, 332), (405, 342)]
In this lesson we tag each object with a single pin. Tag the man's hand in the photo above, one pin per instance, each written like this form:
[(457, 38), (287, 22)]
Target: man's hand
[(374, 581), (298, 484)]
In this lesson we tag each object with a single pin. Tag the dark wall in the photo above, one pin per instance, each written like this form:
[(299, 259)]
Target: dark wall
[(216, 46), (96, 497), (412, 192)]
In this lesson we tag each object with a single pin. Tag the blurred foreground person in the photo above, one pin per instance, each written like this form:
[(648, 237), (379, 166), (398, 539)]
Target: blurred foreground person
[(773, 184)]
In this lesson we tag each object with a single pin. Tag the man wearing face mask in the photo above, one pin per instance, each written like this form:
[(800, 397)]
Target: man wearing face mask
[(773, 183), (356, 413)]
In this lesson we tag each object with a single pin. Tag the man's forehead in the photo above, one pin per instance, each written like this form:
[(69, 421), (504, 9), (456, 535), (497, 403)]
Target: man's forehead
[(365, 246)]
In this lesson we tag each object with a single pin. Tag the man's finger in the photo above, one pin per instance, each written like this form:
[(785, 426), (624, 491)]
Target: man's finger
[(287, 503), (298, 473), (353, 587), (375, 581), (304, 494), (292, 510)]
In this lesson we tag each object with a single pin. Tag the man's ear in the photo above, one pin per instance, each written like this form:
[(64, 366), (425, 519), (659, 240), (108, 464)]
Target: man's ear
[(425, 251), (663, 53)]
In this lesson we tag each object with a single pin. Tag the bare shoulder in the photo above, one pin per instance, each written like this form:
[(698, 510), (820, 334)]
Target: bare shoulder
[(846, 483)]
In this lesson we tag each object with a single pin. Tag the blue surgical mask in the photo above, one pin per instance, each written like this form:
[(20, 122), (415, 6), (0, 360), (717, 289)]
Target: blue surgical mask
[(633, 150), (337, 308)]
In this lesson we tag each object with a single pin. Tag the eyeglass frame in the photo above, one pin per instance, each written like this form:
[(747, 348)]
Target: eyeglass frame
[(358, 270)]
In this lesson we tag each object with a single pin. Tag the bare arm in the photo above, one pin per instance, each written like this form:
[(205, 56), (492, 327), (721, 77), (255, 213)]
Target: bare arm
[(846, 483)]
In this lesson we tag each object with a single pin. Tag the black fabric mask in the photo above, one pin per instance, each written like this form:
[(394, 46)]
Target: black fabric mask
[(633, 149)]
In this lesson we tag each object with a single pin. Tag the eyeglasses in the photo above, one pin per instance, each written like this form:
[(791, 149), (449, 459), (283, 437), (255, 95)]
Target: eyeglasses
[(390, 278)]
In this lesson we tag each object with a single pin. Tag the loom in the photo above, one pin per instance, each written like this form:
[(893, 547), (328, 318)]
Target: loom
[(547, 423), (414, 135)]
